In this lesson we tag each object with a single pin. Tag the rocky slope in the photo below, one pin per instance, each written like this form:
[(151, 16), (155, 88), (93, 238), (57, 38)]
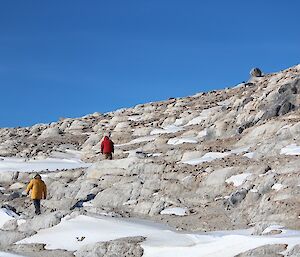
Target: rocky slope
[(225, 159)]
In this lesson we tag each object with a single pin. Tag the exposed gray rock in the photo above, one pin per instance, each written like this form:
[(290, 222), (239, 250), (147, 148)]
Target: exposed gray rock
[(237, 197), (42, 221), (266, 251), (37, 250), (129, 246), (251, 123), (9, 237), (50, 133)]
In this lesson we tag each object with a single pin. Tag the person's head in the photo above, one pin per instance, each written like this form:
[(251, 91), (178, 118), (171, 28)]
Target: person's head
[(37, 176)]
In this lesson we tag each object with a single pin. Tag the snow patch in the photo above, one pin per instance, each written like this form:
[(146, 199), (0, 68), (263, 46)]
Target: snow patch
[(277, 186), (6, 215), (271, 228), (166, 130), (292, 149), (208, 157), (175, 211), (4, 254), (30, 165), (249, 155), (178, 141), (211, 156), (161, 240), (240, 150), (238, 180)]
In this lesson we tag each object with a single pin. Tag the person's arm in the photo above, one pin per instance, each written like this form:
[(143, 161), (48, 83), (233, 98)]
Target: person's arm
[(29, 187), (112, 146)]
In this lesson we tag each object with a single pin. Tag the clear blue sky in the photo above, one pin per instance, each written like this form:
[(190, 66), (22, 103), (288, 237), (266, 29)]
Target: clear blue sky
[(68, 58)]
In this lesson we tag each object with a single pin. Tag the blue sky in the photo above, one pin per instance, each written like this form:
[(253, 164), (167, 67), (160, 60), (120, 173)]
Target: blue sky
[(70, 58)]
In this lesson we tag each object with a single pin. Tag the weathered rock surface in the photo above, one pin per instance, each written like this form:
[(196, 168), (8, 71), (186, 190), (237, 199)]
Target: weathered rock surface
[(266, 251), (229, 157), (120, 247)]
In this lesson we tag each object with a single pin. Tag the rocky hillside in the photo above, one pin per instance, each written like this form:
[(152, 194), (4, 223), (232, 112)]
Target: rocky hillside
[(220, 160)]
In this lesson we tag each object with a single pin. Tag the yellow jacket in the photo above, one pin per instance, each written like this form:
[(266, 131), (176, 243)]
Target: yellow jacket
[(39, 189)]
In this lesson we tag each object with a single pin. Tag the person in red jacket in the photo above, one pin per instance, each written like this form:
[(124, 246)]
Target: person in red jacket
[(107, 148)]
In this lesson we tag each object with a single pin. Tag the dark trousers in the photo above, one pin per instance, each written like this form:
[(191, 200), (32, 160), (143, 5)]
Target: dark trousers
[(37, 206), (108, 156)]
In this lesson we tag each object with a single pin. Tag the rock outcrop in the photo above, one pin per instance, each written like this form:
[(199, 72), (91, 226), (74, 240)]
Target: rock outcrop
[(228, 158)]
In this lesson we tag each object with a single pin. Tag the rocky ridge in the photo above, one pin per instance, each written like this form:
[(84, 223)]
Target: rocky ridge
[(226, 159)]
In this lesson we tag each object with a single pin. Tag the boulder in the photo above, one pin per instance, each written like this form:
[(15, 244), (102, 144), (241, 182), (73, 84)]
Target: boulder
[(50, 133), (113, 197), (17, 185), (42, 221), (256, 72), (110, 167), (122, 126), (8, 176), (10, 237), (129, 246)]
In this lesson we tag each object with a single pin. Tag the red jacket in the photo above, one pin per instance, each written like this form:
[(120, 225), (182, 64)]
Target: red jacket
[(107, 146)]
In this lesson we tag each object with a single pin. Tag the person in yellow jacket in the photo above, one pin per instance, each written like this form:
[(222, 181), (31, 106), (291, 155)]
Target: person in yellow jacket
[(38, 191)]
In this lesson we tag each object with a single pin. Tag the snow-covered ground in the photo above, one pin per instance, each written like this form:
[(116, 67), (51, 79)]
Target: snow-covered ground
[(178, 141), (4, 254), (292, 149), (160, 240), (6, 215), (175, 211), (30, 165), (238, 180), (211, 156), (208, 157)]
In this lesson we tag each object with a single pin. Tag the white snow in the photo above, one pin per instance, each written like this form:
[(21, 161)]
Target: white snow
[(139, 140), (175, 211), (238, 180), (240, 150), (205, 114), (6, 215), (292, 149), (135, 117), (166, 130), (277, 186), (4, 254), (249, 155), (156, 154), (102, 229), (211, 156), (198, 120), (202, 133), (178, 141), (179, 122), (50, 164), (272, 227), (160, 240), (208, 157)]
